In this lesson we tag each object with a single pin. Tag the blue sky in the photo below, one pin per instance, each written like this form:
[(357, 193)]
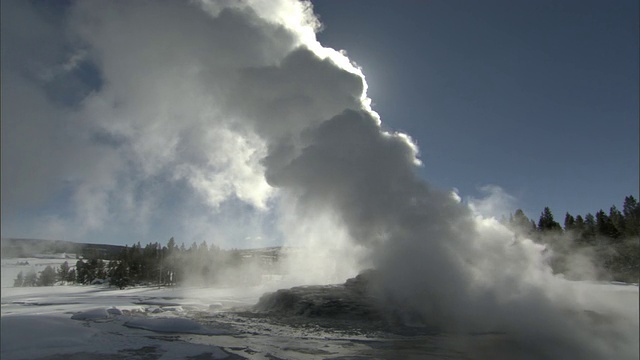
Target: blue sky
[(126, 122), (537, 97)]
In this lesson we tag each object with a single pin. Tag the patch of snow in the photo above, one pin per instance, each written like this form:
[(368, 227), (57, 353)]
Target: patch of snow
[(215, 306), (174, 309), (34, 335), (92, 314), (36, 323), (114, 311)]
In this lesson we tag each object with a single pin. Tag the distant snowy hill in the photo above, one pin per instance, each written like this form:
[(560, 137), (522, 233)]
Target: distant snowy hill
[(22, 248)]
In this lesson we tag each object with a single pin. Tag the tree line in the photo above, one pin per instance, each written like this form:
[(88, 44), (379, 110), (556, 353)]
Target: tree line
[(609, 240), (152, 264), (46, 277)]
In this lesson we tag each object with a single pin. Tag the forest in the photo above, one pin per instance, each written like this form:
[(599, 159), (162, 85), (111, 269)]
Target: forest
[(155, 264), (604, 246)]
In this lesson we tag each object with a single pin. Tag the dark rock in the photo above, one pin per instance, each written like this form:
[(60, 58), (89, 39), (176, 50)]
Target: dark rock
[(350, 300)]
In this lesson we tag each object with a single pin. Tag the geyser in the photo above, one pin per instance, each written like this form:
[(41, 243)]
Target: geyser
[(209, 106)]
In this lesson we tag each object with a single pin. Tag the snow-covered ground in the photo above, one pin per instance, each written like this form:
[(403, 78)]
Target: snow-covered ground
[(154, 323), (98, 322)]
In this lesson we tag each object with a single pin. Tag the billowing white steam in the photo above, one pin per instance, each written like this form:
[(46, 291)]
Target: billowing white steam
[(236, 101)]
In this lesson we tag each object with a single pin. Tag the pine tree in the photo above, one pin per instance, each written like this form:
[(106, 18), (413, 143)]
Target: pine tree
[(47, 277), (134, 260), (171, 246), (546, 222), (605, 227), (569, 222), (71, 276), (520, 222), (120, 276), (617, 220), (100, 269), (589, 227), (63, 271), (631, 211), (31, 279), (578, 226), (82, 273), (19, 281)]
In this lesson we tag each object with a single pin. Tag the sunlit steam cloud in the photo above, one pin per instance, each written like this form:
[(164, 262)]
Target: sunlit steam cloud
[(210, 107)]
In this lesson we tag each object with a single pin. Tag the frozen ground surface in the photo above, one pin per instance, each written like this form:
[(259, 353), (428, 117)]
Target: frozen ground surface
[(98, 322)]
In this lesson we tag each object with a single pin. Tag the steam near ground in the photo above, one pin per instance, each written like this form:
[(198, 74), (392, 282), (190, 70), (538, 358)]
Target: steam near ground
[(101, 322), (238, 105)]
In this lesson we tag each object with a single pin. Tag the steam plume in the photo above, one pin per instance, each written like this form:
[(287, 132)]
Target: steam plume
[(210, 107)]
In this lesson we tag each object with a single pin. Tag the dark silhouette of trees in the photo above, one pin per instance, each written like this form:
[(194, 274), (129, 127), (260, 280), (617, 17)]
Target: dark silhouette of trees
[(579, 225), (19, 281), (631, 211), (520, 221), (63, 271), (71, 276), (152, 264), (569, 222), (605, 227), (120, 275), (82, 272), (611, 240), (589, 232), (47, 277), (546, 222), (31, 279)]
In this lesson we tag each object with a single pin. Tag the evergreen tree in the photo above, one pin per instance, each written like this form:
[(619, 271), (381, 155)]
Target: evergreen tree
[(94, 269), (120, 276), (631, 211), (569, 222), (71, 276), (19, 281), (100, 269), (546, 222), (63, 271), (134, 260), (82, 272), (47, 277), (605, 227), (578, 226), (617, 220), (171, 246), (589, 232), (150, 263), (520, 222), (31, 279)]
